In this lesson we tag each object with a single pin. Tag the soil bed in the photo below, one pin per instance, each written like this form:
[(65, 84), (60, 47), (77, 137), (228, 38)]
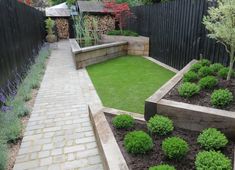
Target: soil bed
[(156, 156), (203, 98)]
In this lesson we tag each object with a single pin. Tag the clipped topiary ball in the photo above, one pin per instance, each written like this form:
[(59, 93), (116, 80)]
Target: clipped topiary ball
[(208, 82), (162, 167), (221, 98), (123, 121), (204, 62), (216, 67), (212, 160), (138, 142), (190, 76), (195, 67), (175, 147), (223, 73), (160, 125), (205, 71), (212, 138), (188, 89)]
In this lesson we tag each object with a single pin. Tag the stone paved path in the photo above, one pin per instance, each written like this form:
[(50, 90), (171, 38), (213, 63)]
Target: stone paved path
[(59, 134)]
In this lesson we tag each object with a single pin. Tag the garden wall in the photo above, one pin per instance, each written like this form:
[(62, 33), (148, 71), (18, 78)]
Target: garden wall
[(22, 35)]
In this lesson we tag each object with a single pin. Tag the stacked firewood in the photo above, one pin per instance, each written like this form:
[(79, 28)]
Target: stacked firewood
[(62, 26)]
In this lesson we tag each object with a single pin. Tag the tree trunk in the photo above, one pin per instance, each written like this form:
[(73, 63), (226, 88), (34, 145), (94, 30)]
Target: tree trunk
[(231, 63)]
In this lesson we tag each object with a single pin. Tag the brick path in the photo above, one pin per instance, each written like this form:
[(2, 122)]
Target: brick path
[(59, 134)]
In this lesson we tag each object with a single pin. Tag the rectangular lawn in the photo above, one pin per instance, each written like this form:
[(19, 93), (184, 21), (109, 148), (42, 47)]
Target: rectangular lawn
[(125, 82)]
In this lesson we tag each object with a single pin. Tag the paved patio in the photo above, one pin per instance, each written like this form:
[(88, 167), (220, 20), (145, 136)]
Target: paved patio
[(59, 134)]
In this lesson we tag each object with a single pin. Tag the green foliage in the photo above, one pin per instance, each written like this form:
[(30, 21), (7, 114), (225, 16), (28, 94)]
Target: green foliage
[(135, 2), (162, 167), (223, 73), (19, 107), (220, 23), (221, 98), (212, 160), (208, 82), (70, 2), (205, 71), (188, 89), (190, 76), (216, 67), (175, 147), (123, 121), (49, 25), (212, 138), (3, 155), (123, 32), (195, 67), (138, 142), (160, 125), (204, 62), (55, 2)]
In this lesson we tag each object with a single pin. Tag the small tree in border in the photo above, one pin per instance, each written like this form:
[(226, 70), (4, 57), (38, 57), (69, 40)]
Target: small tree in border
[(121, 12), (220, 22)]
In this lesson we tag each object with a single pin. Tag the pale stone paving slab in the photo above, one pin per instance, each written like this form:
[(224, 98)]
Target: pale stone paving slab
[(59, 134)]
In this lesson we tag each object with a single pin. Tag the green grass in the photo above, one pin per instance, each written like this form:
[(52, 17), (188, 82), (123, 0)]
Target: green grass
[(124, 83)]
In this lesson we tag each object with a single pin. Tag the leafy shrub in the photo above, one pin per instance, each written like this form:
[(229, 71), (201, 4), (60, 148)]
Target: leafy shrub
[(175, 147), (212, 160), (212, 138), (160, 125), (195, 67), (221, 98), (138, 142), (162, 167), (190, 76), (123, 121), (3, 155), (205, 62), (216, 67), (208, 82), (188, 89), (123, 32), (19, 107), (205, 71), (223, 73)]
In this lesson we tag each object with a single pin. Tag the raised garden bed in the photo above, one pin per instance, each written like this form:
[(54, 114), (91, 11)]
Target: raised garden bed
[(110, 136), (195, 113)]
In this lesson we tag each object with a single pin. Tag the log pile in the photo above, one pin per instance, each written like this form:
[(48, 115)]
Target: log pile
[(62, 26)]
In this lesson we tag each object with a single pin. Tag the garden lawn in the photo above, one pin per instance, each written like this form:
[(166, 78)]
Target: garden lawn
[(125, 82)]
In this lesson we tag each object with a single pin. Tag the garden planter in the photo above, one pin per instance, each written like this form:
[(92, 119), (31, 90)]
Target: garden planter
[(136, 45), (115, 157), (185, 115), (51, 38)]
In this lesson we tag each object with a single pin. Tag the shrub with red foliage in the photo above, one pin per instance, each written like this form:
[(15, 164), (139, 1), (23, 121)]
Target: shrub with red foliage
[(28, 2)]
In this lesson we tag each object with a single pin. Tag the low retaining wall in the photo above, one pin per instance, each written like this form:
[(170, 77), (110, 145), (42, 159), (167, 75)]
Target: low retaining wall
[(95, 54), (188, 116), (136, 45)]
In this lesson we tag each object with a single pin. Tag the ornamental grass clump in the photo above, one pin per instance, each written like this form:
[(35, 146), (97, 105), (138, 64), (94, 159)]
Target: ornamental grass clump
[(216, 67), (162, 167), (212, 139), (213, 160), (188, 89), (205, 71), (195, 67), (223, 73), (221, 98), (190, 76), (138, 142), (123, 121), (208, 82), (160, 125), (175, 147), (204, 62), (3, 155)]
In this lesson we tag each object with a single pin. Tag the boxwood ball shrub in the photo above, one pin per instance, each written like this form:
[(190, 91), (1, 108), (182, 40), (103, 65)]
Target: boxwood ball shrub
[(224, 72), (190, 76), (138, 142), (212, 138), (123, 121), (213, 160), (221, 98), (160, 125), (205, 71), (216, 67), (175, 147), (188, 89), (162, 167), (195, 67), (205, 62), (208, 82)]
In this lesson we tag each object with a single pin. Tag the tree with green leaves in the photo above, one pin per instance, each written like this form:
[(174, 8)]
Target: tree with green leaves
[(220, 22)]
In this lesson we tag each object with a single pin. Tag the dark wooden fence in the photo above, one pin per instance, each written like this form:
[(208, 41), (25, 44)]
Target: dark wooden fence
[(176, 32), (22, 34)]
